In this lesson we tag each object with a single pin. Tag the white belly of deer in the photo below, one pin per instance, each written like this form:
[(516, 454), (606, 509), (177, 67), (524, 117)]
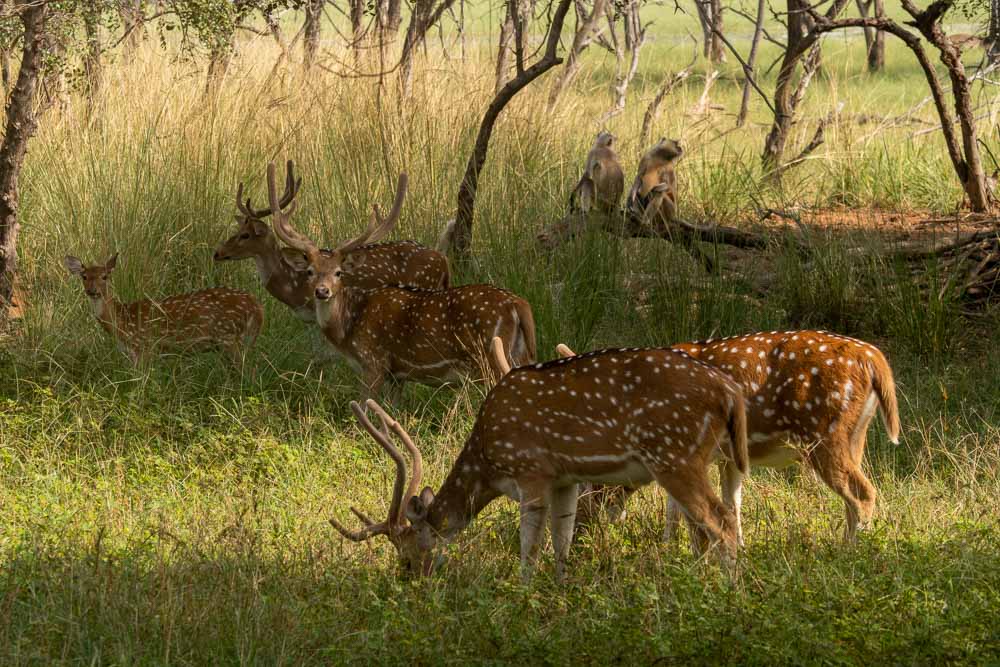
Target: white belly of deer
[(780, 456), (627, 471)]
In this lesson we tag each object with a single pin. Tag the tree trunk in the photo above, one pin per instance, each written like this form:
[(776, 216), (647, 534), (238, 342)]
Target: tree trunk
[(635, 37), (311, 32), (133, 19), (461, 234), (993, 35), (874, 38), (21, 124), (586, 25), (717, 52), (758, 32), (356, 10), (219, 59), (92, 67), (784, 114), (504, 51)]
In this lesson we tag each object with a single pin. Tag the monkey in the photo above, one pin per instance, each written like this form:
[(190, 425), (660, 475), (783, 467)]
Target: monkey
[(603, 180), (656, 183)]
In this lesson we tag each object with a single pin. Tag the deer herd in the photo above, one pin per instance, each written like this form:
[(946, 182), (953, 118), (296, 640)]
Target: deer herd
[(580, 432)]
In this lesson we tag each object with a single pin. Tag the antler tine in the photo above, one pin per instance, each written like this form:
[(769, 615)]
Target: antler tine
[(292, 184), (378, 227), (245, 209), (383, 439), (564, 351), (500, 355), (360, 535), (281, 226), (417, 473)]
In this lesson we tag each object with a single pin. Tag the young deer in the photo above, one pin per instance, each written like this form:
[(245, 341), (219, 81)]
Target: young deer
[(215, 317), (614, 417), (389, 263), (403, 333), (810, 398)]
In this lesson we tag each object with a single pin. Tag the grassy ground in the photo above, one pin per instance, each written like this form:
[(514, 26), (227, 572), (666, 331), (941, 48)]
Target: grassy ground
[(177, 514)]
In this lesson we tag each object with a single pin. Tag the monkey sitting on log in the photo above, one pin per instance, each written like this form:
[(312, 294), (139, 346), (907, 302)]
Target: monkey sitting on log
[(653, 196), (603, 180)]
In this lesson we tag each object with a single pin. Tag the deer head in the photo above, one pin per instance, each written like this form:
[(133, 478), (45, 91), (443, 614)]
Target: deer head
[(95, 277), (254, 237), (329, 273), (406, 524)]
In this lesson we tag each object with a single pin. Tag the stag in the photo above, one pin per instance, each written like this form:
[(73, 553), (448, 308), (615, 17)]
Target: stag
[(613, 417), (403, 333), (387, 263)]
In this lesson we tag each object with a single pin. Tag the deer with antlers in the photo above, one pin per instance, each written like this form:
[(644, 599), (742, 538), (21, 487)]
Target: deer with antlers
[(377, 264), (403, 333), (209, 318), (810, 398), (613, 416)]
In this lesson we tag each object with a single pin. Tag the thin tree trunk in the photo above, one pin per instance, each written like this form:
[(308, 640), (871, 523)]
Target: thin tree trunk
[(504, 51), (635, 37), (758, 32), (586, 25), (21, 123), (993, 34), (718, 53), (219, 60), (460, 240), (92, 66), (311, 32), (704, 9), (132, 18)]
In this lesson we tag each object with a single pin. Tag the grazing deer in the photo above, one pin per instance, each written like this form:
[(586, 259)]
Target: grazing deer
[(613, 416), (403, 333), (388, 263), (810, 398), (215, 317)]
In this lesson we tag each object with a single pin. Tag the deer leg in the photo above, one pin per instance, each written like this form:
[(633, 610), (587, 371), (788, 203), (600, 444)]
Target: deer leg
[(672, 520), (562, 517), (535, 501), (732, 493), (835, 464), (710, 523)]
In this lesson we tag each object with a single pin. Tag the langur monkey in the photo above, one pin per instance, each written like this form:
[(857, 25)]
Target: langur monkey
[(603, 180), (656, 177)]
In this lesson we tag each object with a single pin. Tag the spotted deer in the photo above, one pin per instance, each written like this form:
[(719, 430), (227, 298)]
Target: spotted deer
[(614, 416), (403, 333), (386, 263), (810, 398), (217, 317)]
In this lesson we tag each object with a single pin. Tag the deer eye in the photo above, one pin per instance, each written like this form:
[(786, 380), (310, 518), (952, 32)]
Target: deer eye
[(338, 273), (245, 235), (310, 272)]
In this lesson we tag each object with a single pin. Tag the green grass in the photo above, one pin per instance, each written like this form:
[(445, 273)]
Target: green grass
[(177, 513)]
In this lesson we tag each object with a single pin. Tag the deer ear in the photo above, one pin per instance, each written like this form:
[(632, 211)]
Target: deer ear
[(354, 260), (73, 265), (295, 259), (112, 261), (418, 506), (259, 228)]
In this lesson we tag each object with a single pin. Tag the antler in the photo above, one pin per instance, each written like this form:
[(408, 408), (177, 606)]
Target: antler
[(292, 186), (281, 217), (379, 227), (564, 351), (381, 436), (500, 355)]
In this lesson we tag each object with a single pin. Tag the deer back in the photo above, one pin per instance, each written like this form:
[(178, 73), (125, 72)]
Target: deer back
[(804, 384), (438, 334), (397, 263), (209, 316), (609, 416)]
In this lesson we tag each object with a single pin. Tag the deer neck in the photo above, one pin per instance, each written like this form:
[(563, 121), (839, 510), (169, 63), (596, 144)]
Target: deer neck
[(280, 280), (338, 315), (462, 497)]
